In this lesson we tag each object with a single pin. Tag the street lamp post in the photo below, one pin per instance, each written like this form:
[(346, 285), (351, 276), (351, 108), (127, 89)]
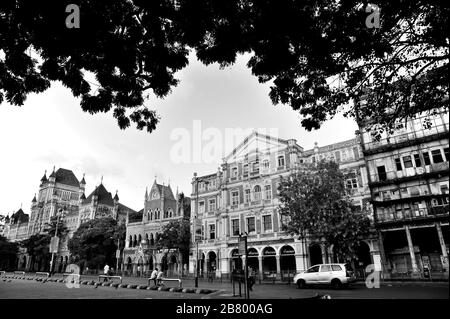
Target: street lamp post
[(195, 233), (117, 256)]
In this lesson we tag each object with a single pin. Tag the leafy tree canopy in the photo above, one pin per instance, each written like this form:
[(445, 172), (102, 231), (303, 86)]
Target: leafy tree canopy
[(37, 245), (318, 55), (94, 243), (314, 204), (8, 253), (176, 235)]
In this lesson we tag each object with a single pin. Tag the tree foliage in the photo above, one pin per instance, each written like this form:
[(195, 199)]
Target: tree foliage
[(94, 243), (314, 205), (8, 254), (319, 56), (37, 247), (176, 235)]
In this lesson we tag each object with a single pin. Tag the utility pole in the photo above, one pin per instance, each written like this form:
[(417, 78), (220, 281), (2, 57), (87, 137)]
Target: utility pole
[(55, 243), (195, 232)]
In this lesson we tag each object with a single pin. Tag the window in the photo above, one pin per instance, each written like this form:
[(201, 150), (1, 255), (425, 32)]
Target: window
[(280, 161), (247, 196), (381, 173), (212, 231), (398, 164), (426, 158), (234, 198), (245, 169), (201, 207), (257, 192), (234, 172), (255, 166), (313, 269), (352, 183), (251, 224), (336, 267), (437, 156), (325, 268), (268, 192), (407, 162), (446, 153), (212, 205), (235, 227), (267, 223), (417, 160), (266, 164)]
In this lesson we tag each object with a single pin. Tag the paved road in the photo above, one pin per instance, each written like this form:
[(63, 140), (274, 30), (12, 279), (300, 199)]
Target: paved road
[(17, 288)]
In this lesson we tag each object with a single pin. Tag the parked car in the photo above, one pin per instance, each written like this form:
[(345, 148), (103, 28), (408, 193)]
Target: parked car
[(336, 275)]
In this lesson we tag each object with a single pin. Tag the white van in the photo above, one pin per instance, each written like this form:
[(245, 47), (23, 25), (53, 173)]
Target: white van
[(336, 275)]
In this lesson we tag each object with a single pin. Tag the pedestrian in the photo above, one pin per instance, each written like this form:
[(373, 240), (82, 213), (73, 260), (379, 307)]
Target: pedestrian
[(251, 279), (159, 278), (106, 271), (139, 270), (154, 275)]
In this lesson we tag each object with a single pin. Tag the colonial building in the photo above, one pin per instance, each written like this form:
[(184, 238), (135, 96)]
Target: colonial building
[(409, 183), (140, 253), (241, 198), (62, 193)]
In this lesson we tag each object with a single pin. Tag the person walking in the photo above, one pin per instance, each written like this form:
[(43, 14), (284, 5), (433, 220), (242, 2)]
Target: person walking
[(251, 279), (154, 275), (139, 271), (106, 272)]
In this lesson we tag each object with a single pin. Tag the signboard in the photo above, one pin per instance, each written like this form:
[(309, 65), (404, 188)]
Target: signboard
[(377, 262), (426, 262), (444, 260), (242, 245), (54, 243)]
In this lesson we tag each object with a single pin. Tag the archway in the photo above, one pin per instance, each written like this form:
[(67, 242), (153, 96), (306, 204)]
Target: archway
[(24, 262), (287, 262), (61, 264), (252, 261), (315, 254), (212, 260), (172, 268), (269, 262), (129, 265), (363, 259), (164, 263)]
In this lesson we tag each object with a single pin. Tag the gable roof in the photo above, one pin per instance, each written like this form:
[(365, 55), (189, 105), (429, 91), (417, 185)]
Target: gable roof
[(19, 216), (162, 189), (104, 197), (65, 176)]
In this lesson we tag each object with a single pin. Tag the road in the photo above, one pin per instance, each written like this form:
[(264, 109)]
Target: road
[(18, 288)]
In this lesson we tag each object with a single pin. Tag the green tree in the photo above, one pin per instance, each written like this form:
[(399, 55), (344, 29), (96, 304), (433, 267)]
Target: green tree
[(94, 243), (176, 235), (50, 228), (318, 55), (8, 254), (37, 247), (314, 204)]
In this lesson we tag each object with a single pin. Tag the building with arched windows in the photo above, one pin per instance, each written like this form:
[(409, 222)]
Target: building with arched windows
[(141, 254), (242, 198)]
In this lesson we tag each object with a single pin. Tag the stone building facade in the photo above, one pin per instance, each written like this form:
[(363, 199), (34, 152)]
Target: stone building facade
[(141, 254), (241, 197), (408, 173)]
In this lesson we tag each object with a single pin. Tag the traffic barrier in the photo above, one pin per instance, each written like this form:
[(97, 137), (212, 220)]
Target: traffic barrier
[(75, 277), (168, 279), (41, 273), (19, 273), (109, 277)]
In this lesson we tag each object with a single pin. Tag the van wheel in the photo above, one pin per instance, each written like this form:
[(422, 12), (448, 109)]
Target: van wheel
[(301, 284), (336, 284)]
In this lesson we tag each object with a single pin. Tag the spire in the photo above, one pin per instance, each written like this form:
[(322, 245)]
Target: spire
[(53, 174), (83, 197), (116, 197), (44, 178), (34, 198), (83, 181), (146, 193), (101, 180)]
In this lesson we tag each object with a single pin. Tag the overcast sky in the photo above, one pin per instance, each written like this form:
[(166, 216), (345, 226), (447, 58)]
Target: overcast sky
[(51, 129)]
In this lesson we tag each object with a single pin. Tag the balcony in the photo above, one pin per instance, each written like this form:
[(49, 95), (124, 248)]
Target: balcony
[(434, 212), (412, 173), (406, 139)]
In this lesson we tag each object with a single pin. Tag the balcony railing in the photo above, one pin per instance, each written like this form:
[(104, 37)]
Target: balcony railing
[(407, 137), (404, 215), (409, 172)]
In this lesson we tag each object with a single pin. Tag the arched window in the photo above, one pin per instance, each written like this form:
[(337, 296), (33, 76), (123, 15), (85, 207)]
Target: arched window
[(257, 192), (152, 240), (134, 241), (146, 238), (130, 241), (170, 213), (139, 239)]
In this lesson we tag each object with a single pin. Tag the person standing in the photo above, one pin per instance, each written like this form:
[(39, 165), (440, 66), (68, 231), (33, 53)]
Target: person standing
[(159, 278), (106, 272), (154, 275)]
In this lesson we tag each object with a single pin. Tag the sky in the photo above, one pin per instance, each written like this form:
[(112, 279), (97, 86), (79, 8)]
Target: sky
[(50, 129)]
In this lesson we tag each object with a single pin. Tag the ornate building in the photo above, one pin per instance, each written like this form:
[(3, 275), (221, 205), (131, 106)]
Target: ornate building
[(241, 197), (409, 183), (160, 208)]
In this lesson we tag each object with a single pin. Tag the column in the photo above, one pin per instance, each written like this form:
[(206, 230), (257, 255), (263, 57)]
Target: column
[(324, 254), (260, 270), (415, 269), (278, 266), (300, 262), (443, 247)]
